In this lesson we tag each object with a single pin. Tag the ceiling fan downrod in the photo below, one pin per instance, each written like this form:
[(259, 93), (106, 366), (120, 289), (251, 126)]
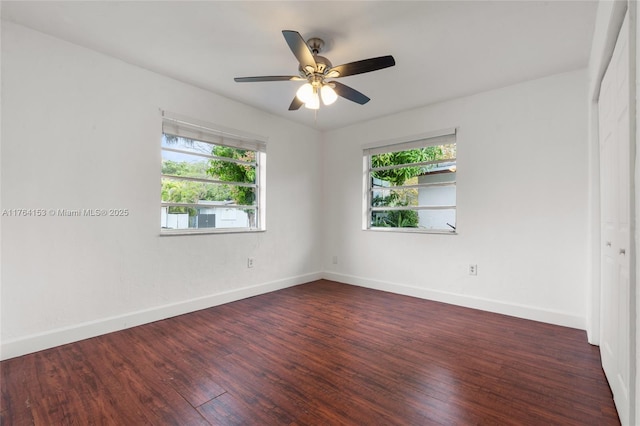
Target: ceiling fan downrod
[(315, 44)]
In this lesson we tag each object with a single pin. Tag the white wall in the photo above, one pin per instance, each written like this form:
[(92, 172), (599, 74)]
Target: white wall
[(527, 232), (82, 130)]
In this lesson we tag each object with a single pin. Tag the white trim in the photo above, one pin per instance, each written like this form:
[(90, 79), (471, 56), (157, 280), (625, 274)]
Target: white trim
[(411, 230), (74, 333), (512, 309), (164, 232)]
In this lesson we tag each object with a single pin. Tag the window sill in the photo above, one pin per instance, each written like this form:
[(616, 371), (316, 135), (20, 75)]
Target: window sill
[(412, 231), (182, 232)]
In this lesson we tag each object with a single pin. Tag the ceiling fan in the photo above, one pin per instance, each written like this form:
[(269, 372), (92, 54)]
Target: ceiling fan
[(316, 69)]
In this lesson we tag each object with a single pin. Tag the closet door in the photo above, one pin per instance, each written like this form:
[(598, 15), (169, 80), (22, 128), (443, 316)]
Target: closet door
[(615, 177)]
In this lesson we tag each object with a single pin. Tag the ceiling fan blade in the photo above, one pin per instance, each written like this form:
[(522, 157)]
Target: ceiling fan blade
[(295, 104), (299, 48), (366, 65), (349, 93), (268, 78)]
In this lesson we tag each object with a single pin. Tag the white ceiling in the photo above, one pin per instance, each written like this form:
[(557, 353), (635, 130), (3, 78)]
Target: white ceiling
[(443, 49)]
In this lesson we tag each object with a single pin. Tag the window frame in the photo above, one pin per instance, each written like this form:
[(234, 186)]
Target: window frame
[(200, 131), (441, 137)]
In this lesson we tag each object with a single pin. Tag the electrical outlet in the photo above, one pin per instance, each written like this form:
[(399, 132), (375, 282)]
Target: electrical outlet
[(473, 269), (334, 260), (250, 262)]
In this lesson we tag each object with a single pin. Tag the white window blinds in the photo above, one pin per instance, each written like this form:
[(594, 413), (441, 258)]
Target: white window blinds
[(189, 128), (443, 137)]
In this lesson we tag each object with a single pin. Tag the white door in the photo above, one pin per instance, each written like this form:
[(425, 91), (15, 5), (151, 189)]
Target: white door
[(615, 177)]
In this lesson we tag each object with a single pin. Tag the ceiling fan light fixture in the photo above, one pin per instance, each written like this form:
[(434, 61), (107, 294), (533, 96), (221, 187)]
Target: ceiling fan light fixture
[(328, 95), (305, 93), (314, 102)]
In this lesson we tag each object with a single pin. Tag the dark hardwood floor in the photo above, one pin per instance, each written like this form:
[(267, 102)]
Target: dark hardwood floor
[(322, 353)]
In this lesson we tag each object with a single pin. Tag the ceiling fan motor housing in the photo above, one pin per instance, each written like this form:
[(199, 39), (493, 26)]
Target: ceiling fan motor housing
[(322, 65)]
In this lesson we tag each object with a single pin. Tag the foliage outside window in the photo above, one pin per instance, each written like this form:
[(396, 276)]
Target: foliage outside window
[(412, 185), (210, 181)]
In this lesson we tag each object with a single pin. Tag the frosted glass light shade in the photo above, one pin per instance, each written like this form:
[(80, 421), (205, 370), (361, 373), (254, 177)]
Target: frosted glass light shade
[(305, 93), (329, 95), (314, 102)]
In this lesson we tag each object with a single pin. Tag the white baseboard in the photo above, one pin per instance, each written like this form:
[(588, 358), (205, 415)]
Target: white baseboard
[(61, 336), (511, 309)]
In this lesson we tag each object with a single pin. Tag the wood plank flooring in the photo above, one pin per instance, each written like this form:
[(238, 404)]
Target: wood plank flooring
[(321, 353)]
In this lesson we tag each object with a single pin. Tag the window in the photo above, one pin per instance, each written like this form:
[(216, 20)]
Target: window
[(411, 185), (212, 180)]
